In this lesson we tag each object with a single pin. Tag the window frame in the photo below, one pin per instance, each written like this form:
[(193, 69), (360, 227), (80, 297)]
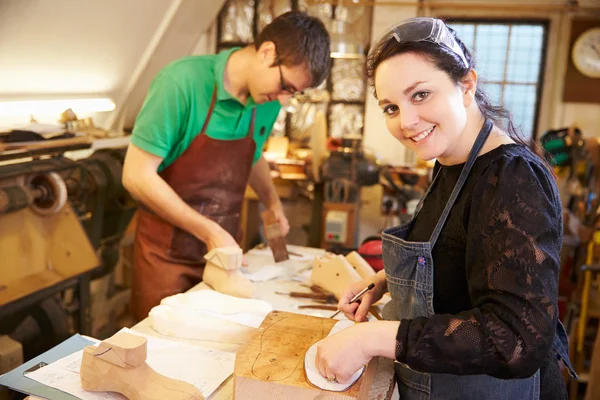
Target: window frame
[(545, 24)]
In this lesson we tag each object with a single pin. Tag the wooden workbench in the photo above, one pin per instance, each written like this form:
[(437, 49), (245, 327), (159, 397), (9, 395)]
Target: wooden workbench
[(383, 386)]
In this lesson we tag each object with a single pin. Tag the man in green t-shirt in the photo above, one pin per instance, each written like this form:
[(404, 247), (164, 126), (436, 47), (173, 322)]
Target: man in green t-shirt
[(197, 142)]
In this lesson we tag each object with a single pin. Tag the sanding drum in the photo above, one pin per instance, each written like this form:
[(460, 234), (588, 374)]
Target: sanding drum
[(45, 193)]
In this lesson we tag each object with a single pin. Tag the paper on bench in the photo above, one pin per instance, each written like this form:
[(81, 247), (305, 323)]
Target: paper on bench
[(204, 368)]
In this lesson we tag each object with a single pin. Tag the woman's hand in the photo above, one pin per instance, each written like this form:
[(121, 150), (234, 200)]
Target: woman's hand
[(339, 356), (358, 311)]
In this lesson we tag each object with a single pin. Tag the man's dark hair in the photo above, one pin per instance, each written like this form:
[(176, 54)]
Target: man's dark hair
[(299, 39)]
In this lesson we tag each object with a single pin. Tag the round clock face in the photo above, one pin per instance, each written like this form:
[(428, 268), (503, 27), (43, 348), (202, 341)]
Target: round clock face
[(586, 53)]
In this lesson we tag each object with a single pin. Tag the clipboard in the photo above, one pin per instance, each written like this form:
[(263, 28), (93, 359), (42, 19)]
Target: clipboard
[(18, 381)]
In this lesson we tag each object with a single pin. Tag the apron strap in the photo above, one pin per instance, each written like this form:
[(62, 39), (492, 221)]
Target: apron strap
[(210, 110), (464, 174)]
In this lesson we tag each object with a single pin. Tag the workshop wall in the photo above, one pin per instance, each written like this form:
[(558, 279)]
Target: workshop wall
[(111, 48), (63, 48)]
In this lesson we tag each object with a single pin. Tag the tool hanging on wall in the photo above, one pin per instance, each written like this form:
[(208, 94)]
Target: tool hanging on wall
[(575, 161)]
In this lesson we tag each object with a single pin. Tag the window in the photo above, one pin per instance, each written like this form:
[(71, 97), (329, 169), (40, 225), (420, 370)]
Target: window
[(510, 58)]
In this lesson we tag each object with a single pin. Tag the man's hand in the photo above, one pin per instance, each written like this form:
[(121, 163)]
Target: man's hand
[(217, 237), (282, 219), (261, 182)]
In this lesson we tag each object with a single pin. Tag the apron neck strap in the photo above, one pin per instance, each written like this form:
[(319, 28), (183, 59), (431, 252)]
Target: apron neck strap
[(213, 101), (464, 174), (210, 110)]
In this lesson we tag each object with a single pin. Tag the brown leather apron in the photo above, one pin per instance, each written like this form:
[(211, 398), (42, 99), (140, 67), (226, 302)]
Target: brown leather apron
[(211, 176)]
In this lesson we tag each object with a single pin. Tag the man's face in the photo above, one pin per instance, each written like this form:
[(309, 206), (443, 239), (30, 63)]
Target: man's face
[(271, 80)]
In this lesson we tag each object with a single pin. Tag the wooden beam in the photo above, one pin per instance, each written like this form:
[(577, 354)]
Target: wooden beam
[(176, 37), (472, 6)]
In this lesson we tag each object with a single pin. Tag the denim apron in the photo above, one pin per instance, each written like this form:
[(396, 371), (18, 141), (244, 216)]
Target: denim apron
[(409, 273)]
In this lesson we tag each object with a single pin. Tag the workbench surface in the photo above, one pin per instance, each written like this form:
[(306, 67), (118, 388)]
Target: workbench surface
[(257, 259)]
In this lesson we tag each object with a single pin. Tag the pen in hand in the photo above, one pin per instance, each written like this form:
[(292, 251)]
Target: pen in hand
[(356, 298)]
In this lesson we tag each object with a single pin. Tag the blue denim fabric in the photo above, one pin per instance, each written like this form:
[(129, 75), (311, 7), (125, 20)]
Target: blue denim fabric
[(409, 273)]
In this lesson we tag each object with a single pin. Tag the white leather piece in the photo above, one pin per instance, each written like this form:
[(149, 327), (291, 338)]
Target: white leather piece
[(313, 374), (209, 315)]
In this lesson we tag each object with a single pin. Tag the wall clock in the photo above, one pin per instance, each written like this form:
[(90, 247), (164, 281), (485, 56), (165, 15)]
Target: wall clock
[(582, 77), (586, 53)]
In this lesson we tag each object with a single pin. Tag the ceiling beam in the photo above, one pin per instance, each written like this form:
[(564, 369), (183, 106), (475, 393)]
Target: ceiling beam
[(177, 36)]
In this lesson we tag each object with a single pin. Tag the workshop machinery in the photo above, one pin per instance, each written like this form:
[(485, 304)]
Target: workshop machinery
[(347, 169), (61, 222)]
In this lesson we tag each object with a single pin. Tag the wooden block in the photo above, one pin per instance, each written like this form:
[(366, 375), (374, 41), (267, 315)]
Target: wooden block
[(360, 265), (123, 349), (11, 354), (231, 282), (274, 236), (141, 382), (271, 365), (333, 273), (229, 258)]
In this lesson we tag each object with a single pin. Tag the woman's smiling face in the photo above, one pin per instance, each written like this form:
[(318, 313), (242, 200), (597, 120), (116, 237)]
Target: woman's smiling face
[(424, 109)]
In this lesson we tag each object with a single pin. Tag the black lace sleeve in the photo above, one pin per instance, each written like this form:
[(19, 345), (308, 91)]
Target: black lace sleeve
[(514, 235)]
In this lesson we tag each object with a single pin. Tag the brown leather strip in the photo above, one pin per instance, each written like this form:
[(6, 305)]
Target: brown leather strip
[(210, 110)]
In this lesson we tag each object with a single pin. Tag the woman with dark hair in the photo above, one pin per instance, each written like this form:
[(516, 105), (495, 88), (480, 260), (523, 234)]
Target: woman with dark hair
[(474, 275)]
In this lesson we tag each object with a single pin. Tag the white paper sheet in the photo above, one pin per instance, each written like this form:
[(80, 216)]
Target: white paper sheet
[(266, 273), (204, 368)]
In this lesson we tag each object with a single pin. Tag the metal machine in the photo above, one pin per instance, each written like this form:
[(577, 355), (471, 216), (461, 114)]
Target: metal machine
[(61, 222), (344, 173)]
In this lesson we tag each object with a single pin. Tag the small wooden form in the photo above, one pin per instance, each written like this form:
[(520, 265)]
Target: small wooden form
[(123, 350), (360, 265), (228, 258), (333, 273), (271, 365), (274, 236), (222, 272), (119, 365)]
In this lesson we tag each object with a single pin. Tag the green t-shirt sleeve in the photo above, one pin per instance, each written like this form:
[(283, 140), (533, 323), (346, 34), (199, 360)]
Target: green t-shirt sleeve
[(161, 120)]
